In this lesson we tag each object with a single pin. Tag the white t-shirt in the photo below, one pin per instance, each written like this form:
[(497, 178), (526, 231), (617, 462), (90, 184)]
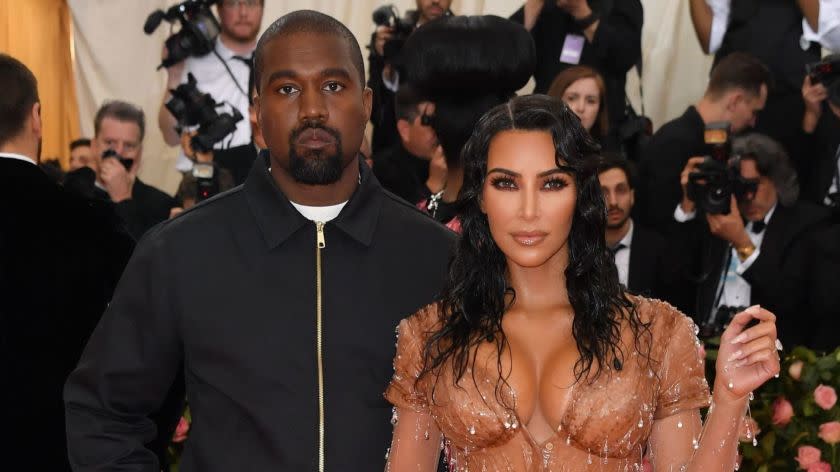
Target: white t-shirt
[(213, 78), (320, 214)]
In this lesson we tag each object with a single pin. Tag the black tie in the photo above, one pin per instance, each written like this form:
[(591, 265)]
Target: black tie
[(614, 250), (758, 226)]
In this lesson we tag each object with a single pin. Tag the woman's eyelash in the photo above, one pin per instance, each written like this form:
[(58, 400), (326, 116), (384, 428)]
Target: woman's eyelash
[(555, 183), (502, 182)]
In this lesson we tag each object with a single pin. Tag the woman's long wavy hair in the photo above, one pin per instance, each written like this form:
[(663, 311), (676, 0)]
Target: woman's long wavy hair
[(474, 298)]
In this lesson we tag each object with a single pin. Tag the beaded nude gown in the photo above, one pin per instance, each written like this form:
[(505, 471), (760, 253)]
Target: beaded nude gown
[(606, 424)]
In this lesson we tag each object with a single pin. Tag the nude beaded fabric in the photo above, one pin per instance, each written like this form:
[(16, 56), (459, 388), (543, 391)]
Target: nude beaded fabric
[(606, 424)]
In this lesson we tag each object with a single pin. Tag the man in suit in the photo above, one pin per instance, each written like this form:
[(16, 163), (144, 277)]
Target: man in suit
[(639, 253), (120, 127), (60, 259), (772, 31), (818, 164), (736, 93), (770, 249)]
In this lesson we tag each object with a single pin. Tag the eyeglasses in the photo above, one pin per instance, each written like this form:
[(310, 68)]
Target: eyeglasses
[(246, 3)]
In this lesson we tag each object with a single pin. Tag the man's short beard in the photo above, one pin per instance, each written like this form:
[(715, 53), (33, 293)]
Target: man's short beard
[(620, 223), (315, 168)]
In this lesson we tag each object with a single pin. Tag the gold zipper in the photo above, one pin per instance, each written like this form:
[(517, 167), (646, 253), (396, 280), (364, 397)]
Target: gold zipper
[(321, 244)]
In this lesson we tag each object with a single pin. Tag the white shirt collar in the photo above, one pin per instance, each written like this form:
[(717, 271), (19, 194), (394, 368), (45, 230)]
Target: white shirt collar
[(226, 53), (628, 238), (20, 157), (766, 218)]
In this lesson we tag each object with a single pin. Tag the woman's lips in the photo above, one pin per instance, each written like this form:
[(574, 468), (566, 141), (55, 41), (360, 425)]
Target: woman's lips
[(529, 238)]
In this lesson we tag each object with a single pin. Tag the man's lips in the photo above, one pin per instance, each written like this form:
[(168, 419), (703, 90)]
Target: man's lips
[(529, 238), (315, 138)]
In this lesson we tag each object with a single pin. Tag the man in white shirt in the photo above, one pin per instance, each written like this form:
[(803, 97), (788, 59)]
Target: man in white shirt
[(772, 31), (766, 250), (224, 74)]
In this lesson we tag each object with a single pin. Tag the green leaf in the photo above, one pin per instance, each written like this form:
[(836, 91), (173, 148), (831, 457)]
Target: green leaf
[(826, 363), (763, 468), (768, 443)]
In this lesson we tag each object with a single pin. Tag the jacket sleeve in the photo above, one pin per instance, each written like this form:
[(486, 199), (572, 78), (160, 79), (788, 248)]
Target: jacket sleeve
[(126, 370), (618, 40), (661, 166)]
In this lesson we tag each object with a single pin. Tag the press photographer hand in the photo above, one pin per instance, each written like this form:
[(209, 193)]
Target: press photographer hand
[(687, 204), (813, 95), (730, 227), (576, 8), (748, 356), (197, 156), (383, 35), (116, 179)]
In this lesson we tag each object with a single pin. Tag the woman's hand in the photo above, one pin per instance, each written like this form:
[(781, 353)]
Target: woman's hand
[(748, 357)]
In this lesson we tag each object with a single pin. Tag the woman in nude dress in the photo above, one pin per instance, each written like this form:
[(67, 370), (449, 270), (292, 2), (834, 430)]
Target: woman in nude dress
[(535, 359)]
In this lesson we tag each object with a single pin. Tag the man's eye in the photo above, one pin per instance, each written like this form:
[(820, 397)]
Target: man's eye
[(333, 87), (287, 90)]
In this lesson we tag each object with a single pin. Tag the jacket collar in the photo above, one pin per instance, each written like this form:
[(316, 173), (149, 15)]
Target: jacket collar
[(278, 219)]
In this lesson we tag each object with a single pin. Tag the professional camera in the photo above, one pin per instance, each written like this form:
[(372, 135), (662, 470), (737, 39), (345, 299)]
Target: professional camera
[(711, 187), (388, 15), (827, 72), (197, 36), (191, 108), (111, 154), (715, 326)]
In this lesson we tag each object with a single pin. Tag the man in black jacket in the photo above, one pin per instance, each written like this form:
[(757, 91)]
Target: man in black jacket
[(769, 250), (640, 254), (603, 34), (736, 92), (279, 298), (384, 79), (120, 127), (60, 259), (818, 162)]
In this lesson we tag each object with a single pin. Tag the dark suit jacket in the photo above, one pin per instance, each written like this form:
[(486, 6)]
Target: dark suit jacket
[(402, 173), (60, 259), (147, 207), (614, 50), (788, 277), (816, 164), (662, 163), (648, 271)]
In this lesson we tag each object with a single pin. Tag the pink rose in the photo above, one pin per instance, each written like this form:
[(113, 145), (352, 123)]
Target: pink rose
[(807, 456), (820, 467), (830, 432), (825, 397), (748, 430), (646, 465), (782, 411), (795, 370), (181, 431)]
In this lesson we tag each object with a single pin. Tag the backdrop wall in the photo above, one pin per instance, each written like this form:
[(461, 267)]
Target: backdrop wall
[(115, 59)]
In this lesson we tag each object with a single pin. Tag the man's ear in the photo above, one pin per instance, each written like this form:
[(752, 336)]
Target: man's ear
[(367, 100), (36, 124)]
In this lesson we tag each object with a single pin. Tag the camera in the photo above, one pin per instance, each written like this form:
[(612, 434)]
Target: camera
[(388, 15), (715, 181), (191, 108), (827, 72), (111, 154), (197, 36), (715, 326)]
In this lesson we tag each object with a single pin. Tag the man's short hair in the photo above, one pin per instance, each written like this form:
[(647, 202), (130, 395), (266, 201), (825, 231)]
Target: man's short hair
[(81, 142), (772, 162), (308, 21), (611, 160), (19, 93), (406, 103), (120, 111), (739, 71)]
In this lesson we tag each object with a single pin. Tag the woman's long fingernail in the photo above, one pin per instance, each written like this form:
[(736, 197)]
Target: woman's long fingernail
[(735, 355), (739, 339)]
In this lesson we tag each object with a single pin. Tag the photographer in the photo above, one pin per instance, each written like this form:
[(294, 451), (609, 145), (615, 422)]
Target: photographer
[(736, 92), (768, 249), (224, 74), (117, 147), (194, 189), (772, 31), (383, 78), (819, 161), (605, 35)]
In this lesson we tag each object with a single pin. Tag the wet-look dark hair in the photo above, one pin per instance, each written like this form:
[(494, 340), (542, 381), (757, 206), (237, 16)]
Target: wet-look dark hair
[(473, 301)]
